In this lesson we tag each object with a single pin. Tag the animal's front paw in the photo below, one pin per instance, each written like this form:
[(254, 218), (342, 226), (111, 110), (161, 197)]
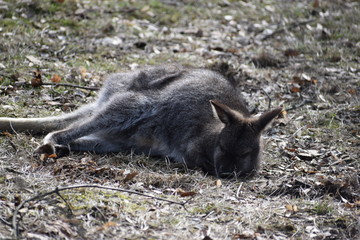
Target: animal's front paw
[(50, 149)]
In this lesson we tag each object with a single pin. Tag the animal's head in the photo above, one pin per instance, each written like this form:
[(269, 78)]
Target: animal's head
[(237, 149)]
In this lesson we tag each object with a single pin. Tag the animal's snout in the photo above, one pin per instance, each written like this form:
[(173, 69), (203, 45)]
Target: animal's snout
[(225, 172)]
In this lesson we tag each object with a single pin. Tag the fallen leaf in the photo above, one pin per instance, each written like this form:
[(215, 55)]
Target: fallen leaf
[(308, 154), (37, 80), (33, 60), (295, 89), (335, 58), (182, 193), (352, 91), (291, 149), (349, 205), (218, 183), (106, 226), (55, 78), (187, 194), (130, 176), (291, 52), (313, 80), (283, 114), (316, 4), (297, 79), (7, 134), (242, 236), (17, 199), (52, 155), (83, 72), (292, 208)]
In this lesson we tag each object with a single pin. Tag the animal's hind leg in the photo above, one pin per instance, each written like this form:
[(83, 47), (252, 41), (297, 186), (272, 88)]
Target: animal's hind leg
[(94, 144), (120, 113)]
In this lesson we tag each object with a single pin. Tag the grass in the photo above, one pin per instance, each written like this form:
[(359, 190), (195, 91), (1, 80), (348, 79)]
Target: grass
[(66, 37), (322, 208)]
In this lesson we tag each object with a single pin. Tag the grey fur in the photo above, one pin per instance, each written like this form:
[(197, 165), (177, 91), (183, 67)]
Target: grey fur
[(195, 116)]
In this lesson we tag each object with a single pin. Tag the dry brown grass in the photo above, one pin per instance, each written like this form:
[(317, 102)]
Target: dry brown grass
[(308, 187)]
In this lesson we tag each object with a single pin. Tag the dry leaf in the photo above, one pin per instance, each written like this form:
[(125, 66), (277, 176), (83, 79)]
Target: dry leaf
[(106, 226), (36, 81), (52, 155), (292, 208), (130, 176), (187, 194), (33, 60), (349, 205), (316, 4), (313, 80), (83, 72), (283, 114), (297, 79), (243, 236), (182, 193), (17, 199), (7, 134), (218, 183), (291, 149), (352, 91), (55, 78), (335, 58), (295, 89), (291, 52)]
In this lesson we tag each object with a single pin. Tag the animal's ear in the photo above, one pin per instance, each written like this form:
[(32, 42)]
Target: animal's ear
[(223, 112), (266, 118)]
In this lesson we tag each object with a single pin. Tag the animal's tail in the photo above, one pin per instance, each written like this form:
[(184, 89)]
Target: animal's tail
[(33, 125), (47, 124)]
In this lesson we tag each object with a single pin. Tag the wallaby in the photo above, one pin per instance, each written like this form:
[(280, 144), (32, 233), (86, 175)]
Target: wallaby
[(194, 116)]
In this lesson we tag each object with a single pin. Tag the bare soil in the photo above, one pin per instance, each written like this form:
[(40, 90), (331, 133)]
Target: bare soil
[(301, 55)]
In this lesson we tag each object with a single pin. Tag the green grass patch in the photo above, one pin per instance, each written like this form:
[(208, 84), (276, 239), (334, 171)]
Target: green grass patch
[(322, 208)]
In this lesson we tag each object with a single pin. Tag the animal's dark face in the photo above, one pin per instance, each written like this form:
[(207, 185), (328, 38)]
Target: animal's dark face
[(237, 151), (237, 148)]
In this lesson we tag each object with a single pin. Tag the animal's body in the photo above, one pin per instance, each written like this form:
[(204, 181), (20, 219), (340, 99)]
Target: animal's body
[(195, 116)]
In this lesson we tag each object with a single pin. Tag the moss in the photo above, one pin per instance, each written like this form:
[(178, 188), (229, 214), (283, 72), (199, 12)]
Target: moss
[(206, 208), (68, 23), (2, 179), (322, 208), (329, 121), (8, 23)]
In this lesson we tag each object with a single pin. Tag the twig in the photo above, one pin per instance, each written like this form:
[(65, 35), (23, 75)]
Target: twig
[(268, 96), (303, 102), (292, 25), (57, 84), (101, 213), (4, 221), (238, 190), (66, 202), (70, 85), (57, 190)]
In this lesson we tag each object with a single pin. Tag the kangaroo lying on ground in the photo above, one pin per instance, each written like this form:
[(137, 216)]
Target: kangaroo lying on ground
[(194, 116)]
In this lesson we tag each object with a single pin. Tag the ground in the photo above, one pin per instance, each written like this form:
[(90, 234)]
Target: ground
[(301, 55)]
